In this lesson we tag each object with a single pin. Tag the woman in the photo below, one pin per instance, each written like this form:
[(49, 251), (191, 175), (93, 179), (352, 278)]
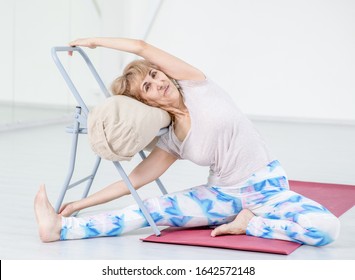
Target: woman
[(247, 190)]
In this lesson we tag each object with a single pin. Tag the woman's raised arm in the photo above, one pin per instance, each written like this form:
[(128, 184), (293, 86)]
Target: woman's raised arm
[(169, 64)]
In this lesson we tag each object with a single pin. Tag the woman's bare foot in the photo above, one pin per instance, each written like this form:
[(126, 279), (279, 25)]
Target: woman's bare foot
[(49, 222), (237, 226)]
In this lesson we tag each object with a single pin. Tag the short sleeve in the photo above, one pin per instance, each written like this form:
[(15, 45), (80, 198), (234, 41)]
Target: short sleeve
[(165, 143)]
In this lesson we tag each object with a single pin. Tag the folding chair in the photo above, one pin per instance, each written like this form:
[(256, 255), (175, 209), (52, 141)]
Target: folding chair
[(79, 127)]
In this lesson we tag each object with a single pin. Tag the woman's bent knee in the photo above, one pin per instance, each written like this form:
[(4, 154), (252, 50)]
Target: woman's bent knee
[(333, 228), (324, 230)]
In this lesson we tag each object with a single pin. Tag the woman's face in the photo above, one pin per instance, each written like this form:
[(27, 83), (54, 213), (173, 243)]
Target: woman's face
[(158, 90)]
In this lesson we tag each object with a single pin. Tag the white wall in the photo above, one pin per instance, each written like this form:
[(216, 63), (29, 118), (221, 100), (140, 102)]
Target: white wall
[(284, 59), (34, 34), (6, 57), (289, 59), (30, 29)]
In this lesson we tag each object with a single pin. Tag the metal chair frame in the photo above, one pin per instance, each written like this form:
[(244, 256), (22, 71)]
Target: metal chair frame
[(79, 127)]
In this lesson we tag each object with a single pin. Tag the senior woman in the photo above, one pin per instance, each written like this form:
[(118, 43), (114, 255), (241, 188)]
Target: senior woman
[(247, 191)]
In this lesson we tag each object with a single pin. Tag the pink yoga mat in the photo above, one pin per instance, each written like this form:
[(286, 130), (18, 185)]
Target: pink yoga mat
[(337, 198)]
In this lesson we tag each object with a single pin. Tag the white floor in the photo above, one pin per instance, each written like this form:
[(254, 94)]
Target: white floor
[(29, 157)]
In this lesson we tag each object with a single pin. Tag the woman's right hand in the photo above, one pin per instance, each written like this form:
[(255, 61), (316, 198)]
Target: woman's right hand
[(67, 209)]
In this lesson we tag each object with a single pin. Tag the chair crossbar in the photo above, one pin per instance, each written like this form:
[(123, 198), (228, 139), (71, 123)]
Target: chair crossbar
[(80, 181)]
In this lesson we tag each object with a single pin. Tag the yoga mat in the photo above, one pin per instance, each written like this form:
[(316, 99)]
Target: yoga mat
[(336, 198)]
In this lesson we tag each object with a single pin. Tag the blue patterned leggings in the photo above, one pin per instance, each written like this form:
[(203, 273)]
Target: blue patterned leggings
[(279, 212)]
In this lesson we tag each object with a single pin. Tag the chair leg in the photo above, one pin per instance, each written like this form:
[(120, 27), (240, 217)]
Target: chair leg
[(137, 198), (71, 166), (157, 181), (90, 180)]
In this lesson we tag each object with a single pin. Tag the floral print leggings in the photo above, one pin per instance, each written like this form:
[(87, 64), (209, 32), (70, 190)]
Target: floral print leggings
[(279, 212)]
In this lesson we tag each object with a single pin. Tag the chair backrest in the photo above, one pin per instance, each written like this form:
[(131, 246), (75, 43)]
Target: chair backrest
[(68, 80)]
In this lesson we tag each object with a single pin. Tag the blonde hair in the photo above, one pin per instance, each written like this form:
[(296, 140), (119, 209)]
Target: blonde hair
[(129, 82)]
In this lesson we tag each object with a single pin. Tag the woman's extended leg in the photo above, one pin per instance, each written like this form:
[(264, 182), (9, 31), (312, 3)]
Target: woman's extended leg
[(198, 206)]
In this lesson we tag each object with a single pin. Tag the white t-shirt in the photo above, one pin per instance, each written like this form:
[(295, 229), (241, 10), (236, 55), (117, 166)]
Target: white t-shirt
[(220, 136)]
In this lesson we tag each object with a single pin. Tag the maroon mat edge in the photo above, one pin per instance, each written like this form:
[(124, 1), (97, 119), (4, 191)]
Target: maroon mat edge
[(288, 246)]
